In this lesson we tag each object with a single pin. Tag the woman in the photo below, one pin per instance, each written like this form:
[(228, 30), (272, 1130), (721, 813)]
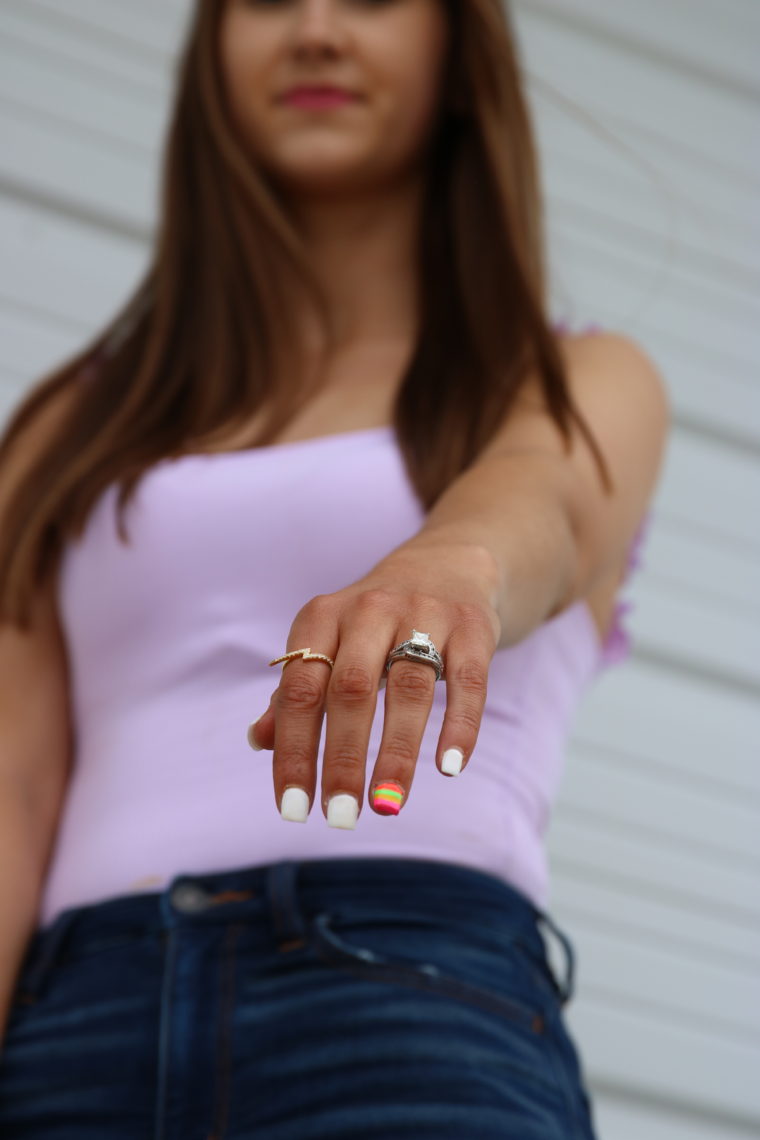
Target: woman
[(353, 450)]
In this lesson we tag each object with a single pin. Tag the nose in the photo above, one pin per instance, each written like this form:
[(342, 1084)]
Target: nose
[(318, 26)]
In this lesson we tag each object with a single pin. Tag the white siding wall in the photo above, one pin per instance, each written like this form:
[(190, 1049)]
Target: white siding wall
[(648, 122)]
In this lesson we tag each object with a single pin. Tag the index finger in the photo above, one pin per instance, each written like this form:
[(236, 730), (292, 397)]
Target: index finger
[(298, 724)]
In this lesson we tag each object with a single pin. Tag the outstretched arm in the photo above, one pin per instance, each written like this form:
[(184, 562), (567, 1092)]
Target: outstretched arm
[(520, 535), (540, 526)]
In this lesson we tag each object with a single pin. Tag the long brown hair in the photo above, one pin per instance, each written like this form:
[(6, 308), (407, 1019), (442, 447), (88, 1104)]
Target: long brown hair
[(205, 340)]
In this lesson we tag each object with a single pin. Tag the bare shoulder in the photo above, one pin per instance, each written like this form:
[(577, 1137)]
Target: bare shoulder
[(623, 396), (620, 390), (617, 383), (623, 364), (617, 387)]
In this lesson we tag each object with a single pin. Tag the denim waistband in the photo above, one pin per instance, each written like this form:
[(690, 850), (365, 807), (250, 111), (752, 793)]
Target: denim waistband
[(282, 894)]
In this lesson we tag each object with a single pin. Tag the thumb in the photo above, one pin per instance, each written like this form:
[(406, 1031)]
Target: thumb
[(261, 732)]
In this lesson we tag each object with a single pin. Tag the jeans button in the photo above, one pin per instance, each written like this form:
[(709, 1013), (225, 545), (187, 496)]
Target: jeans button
[(188, 897)]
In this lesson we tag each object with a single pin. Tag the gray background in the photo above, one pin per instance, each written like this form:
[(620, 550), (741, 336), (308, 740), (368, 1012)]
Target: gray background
[(647, 116)]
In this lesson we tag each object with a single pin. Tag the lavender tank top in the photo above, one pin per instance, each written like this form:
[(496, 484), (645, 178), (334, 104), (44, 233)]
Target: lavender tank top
[(169, 641)]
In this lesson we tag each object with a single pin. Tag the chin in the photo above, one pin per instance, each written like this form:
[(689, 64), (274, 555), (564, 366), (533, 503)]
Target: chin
[(324, 177)]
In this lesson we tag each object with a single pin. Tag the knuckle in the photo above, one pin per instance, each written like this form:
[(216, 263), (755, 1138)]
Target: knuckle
[(400, 750), (474, 617), (470, 612), (294, 767), (412, 681), (472, 676), (376, 598), (468, 720), (344, 768), (317, 607), (351, 683), (300, 692)]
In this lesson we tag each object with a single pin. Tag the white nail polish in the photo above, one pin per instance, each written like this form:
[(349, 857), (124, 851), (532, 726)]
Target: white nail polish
[(256, 747), (342, 811), (451, 763), (295, 805)]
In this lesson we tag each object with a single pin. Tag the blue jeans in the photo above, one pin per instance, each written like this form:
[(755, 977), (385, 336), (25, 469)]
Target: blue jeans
[(386, 998)]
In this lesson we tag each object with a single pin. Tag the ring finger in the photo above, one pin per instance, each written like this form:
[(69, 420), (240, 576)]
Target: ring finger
[(409, 697)]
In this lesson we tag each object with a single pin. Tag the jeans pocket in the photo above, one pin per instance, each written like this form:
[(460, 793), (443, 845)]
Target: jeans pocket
[(401, 952)]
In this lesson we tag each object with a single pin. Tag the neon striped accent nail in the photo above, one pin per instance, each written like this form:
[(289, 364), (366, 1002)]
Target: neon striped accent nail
[(388, 798)]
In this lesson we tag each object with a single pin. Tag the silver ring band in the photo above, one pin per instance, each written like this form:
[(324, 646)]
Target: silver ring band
[(418, 647)]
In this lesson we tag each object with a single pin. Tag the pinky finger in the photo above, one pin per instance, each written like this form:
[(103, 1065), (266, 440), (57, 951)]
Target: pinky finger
[(466, 687)]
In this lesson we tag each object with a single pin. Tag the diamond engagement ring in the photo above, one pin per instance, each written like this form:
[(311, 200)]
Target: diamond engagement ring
[(418, 647)]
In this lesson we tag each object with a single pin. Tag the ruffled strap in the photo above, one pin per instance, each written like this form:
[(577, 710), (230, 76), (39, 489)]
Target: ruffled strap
[(618, 642)]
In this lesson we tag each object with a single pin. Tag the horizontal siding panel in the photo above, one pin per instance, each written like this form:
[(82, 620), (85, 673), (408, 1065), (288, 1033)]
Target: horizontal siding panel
[(713, 488), (637, 972), (671, 814), (720, 41), (31, 344), (713, 570), (690, 930), (666, 1061), (11, 390), (710, 390), (77, 172), (628, 278), (77, 273), (682, 215), (721, 643), (62, 42), (717, 124), (61, 93), (638, 861), (148, 30), (623, 1118), (681, 728)]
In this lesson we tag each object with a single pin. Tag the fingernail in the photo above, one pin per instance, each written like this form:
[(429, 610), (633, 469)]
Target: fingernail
[(256, 747), (295, 805), (342, 811), (388, 797), (451, 763)]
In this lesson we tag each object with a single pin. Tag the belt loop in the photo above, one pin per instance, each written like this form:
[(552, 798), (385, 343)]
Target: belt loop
[(284, 905), (568, 989), (50, 945)]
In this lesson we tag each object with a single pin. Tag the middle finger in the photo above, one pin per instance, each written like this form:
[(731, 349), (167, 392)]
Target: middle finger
[(350, 704)]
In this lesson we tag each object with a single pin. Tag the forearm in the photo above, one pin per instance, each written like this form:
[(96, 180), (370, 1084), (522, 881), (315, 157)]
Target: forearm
[(20, 885), (511, 506)]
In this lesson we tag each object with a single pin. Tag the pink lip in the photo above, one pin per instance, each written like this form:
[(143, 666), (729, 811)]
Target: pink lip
[(318, 97)]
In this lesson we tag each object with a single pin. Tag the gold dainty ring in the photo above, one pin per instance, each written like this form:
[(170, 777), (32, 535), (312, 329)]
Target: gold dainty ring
[(307, 656)]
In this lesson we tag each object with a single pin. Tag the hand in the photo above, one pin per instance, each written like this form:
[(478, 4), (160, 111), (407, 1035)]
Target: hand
[(445, 589)]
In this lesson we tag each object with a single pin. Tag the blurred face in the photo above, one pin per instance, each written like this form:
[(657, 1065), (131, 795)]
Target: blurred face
[(385, 57)]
